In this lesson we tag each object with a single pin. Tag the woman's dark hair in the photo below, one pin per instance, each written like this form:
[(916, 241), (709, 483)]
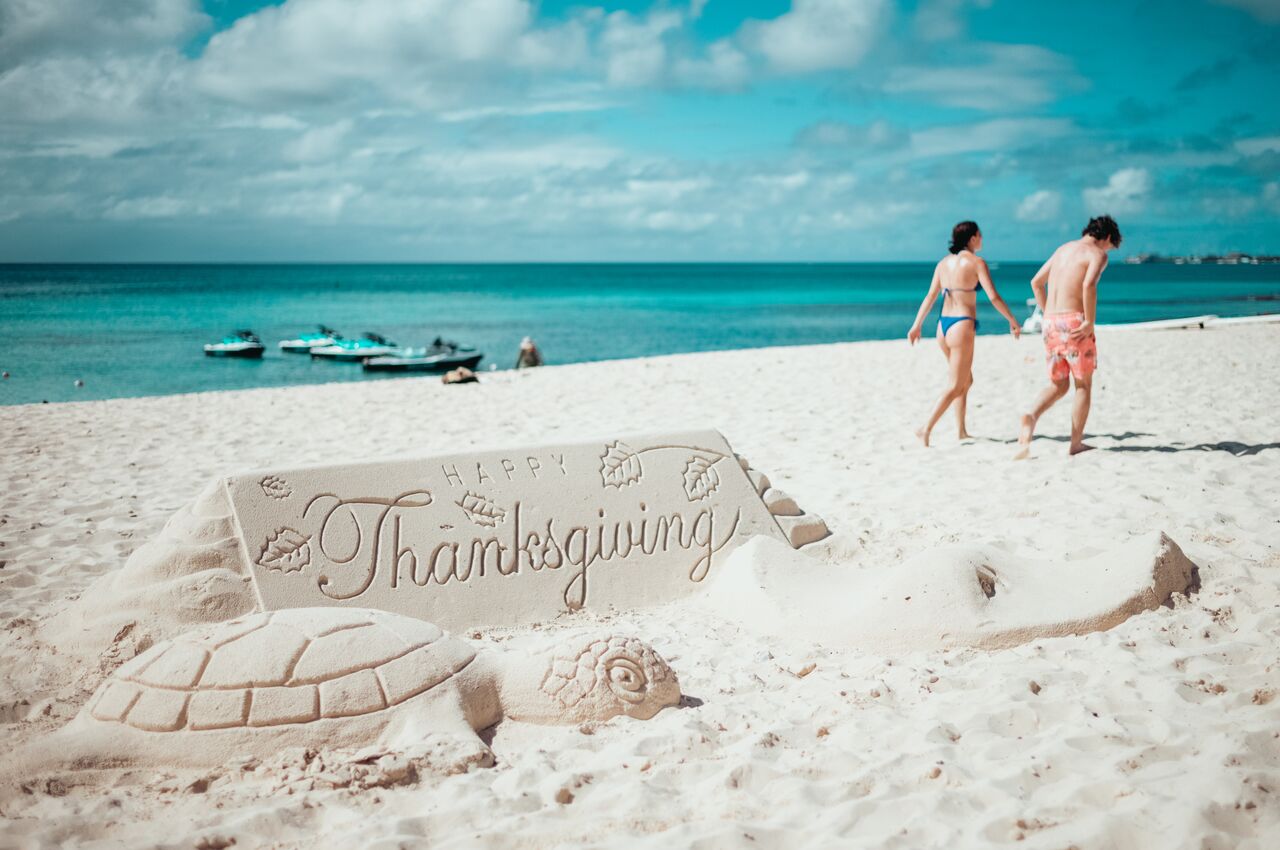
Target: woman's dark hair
[(961, 234), (1103, 227)]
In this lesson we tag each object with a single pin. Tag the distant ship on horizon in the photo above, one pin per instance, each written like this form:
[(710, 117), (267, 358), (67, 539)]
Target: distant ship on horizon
[(1234, 258)]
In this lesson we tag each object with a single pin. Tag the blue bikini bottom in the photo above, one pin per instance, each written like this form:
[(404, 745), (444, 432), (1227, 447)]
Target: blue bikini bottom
[(946, 322)]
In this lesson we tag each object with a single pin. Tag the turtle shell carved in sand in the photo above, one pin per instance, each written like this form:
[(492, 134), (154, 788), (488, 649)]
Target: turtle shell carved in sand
[(329, 677)]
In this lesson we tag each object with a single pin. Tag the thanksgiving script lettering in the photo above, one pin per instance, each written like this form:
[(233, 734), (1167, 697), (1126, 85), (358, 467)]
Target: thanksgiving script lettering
[(500, 538)]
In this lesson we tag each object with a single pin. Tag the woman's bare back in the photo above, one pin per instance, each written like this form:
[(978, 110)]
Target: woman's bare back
[(958, 274)]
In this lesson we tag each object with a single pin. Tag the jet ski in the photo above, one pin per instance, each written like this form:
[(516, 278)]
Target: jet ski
[(440, 356), (239, 344), (352, 350), (306, 342)]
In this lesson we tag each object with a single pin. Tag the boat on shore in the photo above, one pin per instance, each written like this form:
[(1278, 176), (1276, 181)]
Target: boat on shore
[(306, 343), (244, 344), (441, 356), (1198, 322), (1035, 321), (355, 350)]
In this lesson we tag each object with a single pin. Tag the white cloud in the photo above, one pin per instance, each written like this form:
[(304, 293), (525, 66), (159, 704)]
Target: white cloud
[(560, 47), (319, 144), (118, 91), (818, 35), (322, 204), (665, 191), (677, 221), (1271, 196), (724, 67), (556, 107), (1258, 144), (1003, 77), (1043, 205), (634, 48), (497, 164), (939, 20), (159, 206), (269, 121), (783, 182), (837, 134), (1263, 10), (1126, 192), (43, 28), (996, 135), (423, 52)]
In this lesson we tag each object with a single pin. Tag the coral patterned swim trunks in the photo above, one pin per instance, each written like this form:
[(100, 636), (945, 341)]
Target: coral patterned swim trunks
[(1064, 355)]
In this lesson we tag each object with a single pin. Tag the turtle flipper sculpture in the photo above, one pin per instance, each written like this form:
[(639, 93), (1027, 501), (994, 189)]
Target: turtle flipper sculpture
[(330, 677)]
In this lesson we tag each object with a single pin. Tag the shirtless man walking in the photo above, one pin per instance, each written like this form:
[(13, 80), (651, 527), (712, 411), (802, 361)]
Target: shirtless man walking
[(1070, 307)]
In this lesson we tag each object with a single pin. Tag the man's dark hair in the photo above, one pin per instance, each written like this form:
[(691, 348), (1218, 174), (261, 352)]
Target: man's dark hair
[(1103, 227), (961, 234)]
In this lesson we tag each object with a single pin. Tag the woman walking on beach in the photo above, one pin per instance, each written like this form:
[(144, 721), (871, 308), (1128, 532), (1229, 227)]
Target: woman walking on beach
[(958, 276)]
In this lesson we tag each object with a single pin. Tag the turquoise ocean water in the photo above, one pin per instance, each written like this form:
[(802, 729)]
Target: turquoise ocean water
[(130, 330)]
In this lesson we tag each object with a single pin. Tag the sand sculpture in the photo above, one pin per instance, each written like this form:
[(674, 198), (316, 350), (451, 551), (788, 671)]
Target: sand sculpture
[(946, 597), (464, 541), (523, 536), (338, 677)]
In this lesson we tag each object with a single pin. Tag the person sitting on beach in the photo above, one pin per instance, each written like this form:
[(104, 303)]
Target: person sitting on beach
[(1070, 307), (529, 355), (958, 276)]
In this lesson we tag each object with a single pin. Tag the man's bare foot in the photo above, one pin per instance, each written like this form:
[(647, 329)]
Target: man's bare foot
[(1028, 426), (1078, 448), (965, 435), (923, 436)]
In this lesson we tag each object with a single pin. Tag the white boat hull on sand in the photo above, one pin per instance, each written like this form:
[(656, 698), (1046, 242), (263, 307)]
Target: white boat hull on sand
[(1164, 324)]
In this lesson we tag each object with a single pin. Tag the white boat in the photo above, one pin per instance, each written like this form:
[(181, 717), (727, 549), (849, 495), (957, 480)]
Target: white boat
[(306, 342), (439, 357), (1035, 321), (240, 344), (356, 350), (1164, 324), (1262, 319)]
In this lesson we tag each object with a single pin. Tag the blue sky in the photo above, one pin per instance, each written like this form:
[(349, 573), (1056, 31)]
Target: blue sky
[(509, 130)]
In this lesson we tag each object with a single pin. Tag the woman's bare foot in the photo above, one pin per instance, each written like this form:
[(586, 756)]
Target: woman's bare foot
[(1078, 448), (1026, 429), (923, 436), (965, 435)]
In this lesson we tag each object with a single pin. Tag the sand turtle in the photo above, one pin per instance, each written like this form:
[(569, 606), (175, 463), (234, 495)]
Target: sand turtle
[(340, 677)]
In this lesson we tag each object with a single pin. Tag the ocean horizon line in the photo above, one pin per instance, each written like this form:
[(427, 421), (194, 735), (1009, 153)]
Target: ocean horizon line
[(485, 263)]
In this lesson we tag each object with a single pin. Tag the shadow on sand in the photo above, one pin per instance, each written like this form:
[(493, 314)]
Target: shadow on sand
[(1127, 435), (1231, 447)]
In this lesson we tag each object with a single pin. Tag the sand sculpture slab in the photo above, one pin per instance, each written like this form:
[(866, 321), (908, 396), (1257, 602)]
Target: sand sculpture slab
[(500, 538)]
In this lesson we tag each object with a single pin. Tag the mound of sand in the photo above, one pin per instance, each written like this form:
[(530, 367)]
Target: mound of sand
[(191, 573), (946, 597)]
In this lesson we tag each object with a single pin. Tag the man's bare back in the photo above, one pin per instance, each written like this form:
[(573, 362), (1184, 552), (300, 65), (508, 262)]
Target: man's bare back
[(1070, 266)]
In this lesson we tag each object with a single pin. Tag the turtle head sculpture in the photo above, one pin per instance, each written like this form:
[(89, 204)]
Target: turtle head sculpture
[(591, 678), (328, 678)]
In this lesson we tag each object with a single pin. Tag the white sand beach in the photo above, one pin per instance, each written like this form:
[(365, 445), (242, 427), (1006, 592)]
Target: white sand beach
[(1162, 732)]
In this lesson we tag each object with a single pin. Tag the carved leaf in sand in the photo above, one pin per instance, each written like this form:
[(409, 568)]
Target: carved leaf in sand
[(276, 488), (620, 465), (700, 477), (286, 551), (480, 510)]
